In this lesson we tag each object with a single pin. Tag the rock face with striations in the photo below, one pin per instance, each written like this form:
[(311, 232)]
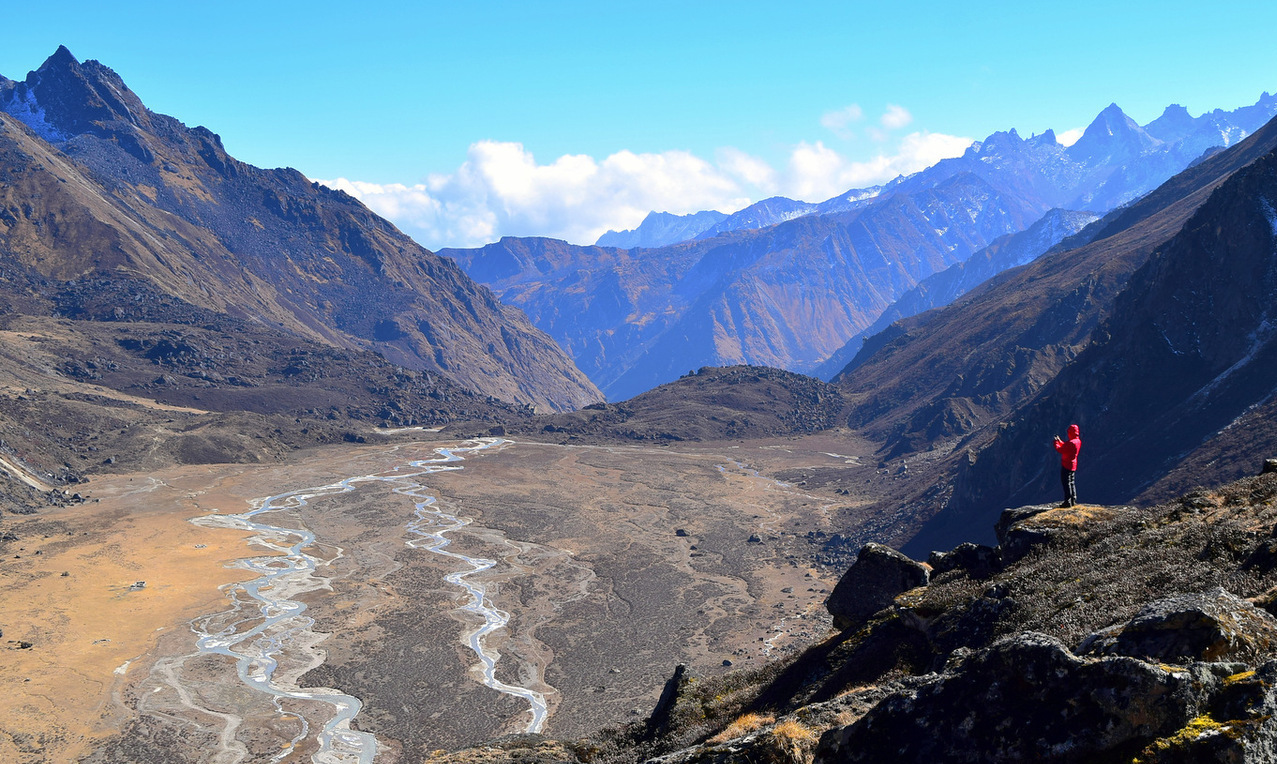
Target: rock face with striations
[(878, 576)]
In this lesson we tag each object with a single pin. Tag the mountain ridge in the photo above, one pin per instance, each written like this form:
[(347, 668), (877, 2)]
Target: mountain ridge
[(640, 345), (659, 229), (269, 245), (624, 317)]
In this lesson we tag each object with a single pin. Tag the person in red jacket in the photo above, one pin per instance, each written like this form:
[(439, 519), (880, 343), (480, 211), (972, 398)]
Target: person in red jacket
[(1068, 463)]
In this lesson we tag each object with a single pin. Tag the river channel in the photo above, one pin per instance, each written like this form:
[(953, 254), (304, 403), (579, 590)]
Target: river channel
[(267, 624)]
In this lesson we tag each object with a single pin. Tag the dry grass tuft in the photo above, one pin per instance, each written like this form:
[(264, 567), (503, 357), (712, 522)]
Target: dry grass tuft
[(741, 726), (792, 742)]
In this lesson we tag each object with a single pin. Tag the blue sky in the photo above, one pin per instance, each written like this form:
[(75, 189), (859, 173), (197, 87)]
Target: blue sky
[(466, 121)]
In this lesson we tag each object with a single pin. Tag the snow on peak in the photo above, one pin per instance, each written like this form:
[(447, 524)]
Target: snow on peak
[(23, 106)]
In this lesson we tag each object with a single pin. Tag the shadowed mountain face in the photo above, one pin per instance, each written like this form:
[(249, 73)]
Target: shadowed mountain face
[(989, 380), (788, 283), (1187, 355), (97, 186), (940, 289)]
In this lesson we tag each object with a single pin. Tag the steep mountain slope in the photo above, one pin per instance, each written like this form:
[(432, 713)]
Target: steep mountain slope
[(97, 186), (108, 375), (1187, 352), (948, 378), (784, 296), (940, 289)]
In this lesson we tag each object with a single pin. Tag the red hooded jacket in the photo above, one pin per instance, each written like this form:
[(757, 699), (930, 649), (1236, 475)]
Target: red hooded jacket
[(1069, 448)]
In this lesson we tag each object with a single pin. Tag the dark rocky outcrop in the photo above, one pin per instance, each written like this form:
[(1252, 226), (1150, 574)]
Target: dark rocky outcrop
[(659, 720), (977, 560), (708, 404), (1209, 626), (1027, 698), (879, 575)]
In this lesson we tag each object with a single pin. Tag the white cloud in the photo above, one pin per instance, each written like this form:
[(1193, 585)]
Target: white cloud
[(816, 173), (750, 170), (1070, 137), (839, 121), (896, 117), (501, 190)]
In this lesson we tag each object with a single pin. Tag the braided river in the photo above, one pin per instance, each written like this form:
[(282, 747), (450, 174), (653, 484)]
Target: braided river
[(267, 623)]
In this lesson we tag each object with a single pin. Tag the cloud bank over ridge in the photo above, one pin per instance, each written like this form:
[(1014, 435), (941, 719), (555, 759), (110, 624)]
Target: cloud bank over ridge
[(502, 190)]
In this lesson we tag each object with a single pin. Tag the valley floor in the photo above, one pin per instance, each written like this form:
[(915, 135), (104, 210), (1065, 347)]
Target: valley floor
[(614, 563)]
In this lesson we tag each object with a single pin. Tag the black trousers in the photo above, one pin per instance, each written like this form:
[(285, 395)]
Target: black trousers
[(1070, 488)]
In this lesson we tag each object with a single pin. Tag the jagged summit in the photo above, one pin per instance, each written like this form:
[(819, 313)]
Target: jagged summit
[(68, 98), (1174, 124), (1046, 138), (1112, 137)]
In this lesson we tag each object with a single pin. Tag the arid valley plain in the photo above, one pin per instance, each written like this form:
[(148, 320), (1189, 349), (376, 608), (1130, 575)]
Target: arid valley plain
[(613, 563)]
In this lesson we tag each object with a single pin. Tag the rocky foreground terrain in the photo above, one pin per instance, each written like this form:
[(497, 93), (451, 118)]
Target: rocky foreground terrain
[(1096, 634)]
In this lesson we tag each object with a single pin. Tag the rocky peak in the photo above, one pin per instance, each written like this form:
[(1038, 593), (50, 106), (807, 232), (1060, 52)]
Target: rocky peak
[(661, 228), (1001, 145), (1207, 626), (768, 212), (1174, 124), (64, 98), (873, 583), (1044, 139), (1112, 137)]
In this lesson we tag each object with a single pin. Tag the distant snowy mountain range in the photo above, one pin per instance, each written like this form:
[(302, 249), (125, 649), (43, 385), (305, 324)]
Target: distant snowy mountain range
[(788, 283), (1112, 140)]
